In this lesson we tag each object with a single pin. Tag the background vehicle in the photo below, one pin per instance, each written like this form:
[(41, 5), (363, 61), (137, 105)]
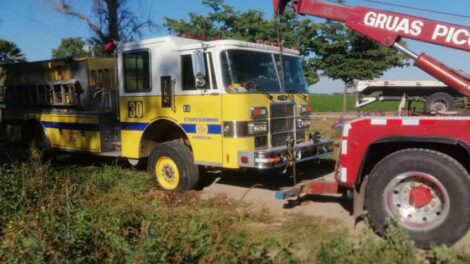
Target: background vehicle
[(436, 96), (178, 103), (413, 169)]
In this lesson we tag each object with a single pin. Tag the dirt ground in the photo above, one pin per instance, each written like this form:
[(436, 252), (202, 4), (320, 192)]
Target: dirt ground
[(259, 190)]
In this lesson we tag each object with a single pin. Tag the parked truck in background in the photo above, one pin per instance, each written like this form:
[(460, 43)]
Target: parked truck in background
[(436, 96), (411, 169)]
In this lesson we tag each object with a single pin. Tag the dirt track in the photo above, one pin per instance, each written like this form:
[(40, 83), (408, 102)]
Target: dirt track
[(259, 190)]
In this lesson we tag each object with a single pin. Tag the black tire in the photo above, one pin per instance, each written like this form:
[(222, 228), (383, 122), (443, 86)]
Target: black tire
[(439, 102), (35, 140), (183, 158), (450, 225)]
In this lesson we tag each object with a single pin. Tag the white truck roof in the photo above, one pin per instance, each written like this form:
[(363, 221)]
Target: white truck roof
[(363, 85), (180, 43)]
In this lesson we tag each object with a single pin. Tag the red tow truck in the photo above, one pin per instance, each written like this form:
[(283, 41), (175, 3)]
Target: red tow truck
[(414, 169)]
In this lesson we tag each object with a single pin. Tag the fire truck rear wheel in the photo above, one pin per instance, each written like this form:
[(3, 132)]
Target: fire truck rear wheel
[(439, 102), (171, 165), (36, 143), (426, 191)]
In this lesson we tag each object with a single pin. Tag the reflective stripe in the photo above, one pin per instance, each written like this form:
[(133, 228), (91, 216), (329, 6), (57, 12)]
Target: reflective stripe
[(267, 160), (410, 122), (189, 128), (344, 147), (133, 126), (378, 122), (214, 129), (346, 129), (343, 177)]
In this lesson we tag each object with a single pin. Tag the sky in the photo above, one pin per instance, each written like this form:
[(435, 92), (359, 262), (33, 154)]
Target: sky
[(37, 28)]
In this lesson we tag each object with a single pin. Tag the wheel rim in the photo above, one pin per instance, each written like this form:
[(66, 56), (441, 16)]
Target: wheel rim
[(439, 106), (167, 173), (418, 200)]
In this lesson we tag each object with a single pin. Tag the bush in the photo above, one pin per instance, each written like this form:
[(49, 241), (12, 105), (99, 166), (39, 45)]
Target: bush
[(110, 215), (395, 247), (95, 215)]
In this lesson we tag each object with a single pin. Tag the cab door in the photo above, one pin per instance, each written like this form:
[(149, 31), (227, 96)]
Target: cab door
[(201, 111)]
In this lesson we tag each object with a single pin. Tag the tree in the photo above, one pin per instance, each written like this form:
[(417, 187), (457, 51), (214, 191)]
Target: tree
[(223, 21), (341, 54), (10, 52), (111, 20), (70, 47), (327, 48)]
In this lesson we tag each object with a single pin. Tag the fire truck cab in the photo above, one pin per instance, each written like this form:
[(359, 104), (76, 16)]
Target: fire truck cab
[(178, 103)]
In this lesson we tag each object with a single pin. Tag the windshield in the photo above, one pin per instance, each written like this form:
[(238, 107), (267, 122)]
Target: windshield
[(294, 77), (251, 71)]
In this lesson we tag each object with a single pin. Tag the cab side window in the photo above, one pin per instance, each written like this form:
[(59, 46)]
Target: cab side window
[(136, 72), (189, 82)]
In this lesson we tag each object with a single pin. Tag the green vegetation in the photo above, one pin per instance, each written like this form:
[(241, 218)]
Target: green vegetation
[(73, 214), (394, 248), (70, 47), (334, 103), (10, 52), (107, 214)]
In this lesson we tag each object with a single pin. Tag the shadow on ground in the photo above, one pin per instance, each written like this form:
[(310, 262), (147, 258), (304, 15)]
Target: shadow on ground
[(275, 179)]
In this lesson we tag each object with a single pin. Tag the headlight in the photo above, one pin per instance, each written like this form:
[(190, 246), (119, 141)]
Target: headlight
[(258, 112), (305, 109), (303, 123), (257, 128)]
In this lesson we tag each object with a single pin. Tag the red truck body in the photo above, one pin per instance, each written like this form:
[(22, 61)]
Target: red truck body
[(415, 169), (367, 138)]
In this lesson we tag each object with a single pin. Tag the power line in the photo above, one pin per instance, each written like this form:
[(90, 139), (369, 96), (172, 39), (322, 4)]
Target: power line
[(417, 8), (32, 19)]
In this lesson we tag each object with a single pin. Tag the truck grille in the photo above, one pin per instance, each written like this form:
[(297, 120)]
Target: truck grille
[(282, 124)]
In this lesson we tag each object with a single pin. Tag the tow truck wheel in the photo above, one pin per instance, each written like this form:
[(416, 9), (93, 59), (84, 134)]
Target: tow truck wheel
[(439, 102), (171, 165), (426, 191)]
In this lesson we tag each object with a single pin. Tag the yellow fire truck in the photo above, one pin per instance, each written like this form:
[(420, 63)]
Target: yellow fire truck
[(178, 103)]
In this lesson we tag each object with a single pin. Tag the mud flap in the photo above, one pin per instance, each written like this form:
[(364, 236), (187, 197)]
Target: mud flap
[(358, 201)]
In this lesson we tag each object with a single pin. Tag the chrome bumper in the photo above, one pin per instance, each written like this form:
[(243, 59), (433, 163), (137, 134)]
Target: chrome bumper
[(277, 157)]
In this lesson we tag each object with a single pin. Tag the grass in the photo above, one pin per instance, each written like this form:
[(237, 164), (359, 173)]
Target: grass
[(110, 214), (334, 103)]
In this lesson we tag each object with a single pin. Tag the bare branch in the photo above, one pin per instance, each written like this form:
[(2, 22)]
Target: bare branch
[(65, 9)]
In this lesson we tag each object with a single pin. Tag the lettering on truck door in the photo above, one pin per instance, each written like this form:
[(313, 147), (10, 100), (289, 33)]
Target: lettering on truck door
[(201, 107)]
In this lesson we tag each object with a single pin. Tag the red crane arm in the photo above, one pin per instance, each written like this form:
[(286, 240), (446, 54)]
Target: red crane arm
[(388, 27)]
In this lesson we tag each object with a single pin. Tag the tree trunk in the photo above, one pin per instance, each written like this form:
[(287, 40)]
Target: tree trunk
[(113, 20), (345, 98)]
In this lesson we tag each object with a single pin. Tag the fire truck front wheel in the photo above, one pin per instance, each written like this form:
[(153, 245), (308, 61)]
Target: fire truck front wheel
[(171, 165), (425, 191)]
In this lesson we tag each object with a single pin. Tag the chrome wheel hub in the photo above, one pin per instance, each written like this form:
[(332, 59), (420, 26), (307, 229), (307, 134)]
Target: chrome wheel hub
[(418, 200)]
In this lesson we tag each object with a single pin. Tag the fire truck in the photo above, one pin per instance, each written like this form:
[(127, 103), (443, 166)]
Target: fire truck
[(413, 169), (180, 104)]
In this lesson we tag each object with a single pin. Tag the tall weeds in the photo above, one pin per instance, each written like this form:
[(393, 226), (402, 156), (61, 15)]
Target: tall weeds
[(106, 214)]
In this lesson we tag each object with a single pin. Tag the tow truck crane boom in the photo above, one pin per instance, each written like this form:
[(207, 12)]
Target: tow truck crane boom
[(388, 28)]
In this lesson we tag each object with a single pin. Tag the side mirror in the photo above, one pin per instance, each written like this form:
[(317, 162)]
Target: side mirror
[(199, 68)]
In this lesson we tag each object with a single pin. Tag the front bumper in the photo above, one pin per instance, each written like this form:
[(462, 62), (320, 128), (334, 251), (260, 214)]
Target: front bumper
[(277, 157)]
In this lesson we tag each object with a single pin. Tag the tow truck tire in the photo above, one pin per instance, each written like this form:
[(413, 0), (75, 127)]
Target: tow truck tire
[(426, 191), (171, 165), (441, 102)]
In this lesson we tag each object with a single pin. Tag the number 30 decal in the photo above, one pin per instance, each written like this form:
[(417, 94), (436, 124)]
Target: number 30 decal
[(135, 109)]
